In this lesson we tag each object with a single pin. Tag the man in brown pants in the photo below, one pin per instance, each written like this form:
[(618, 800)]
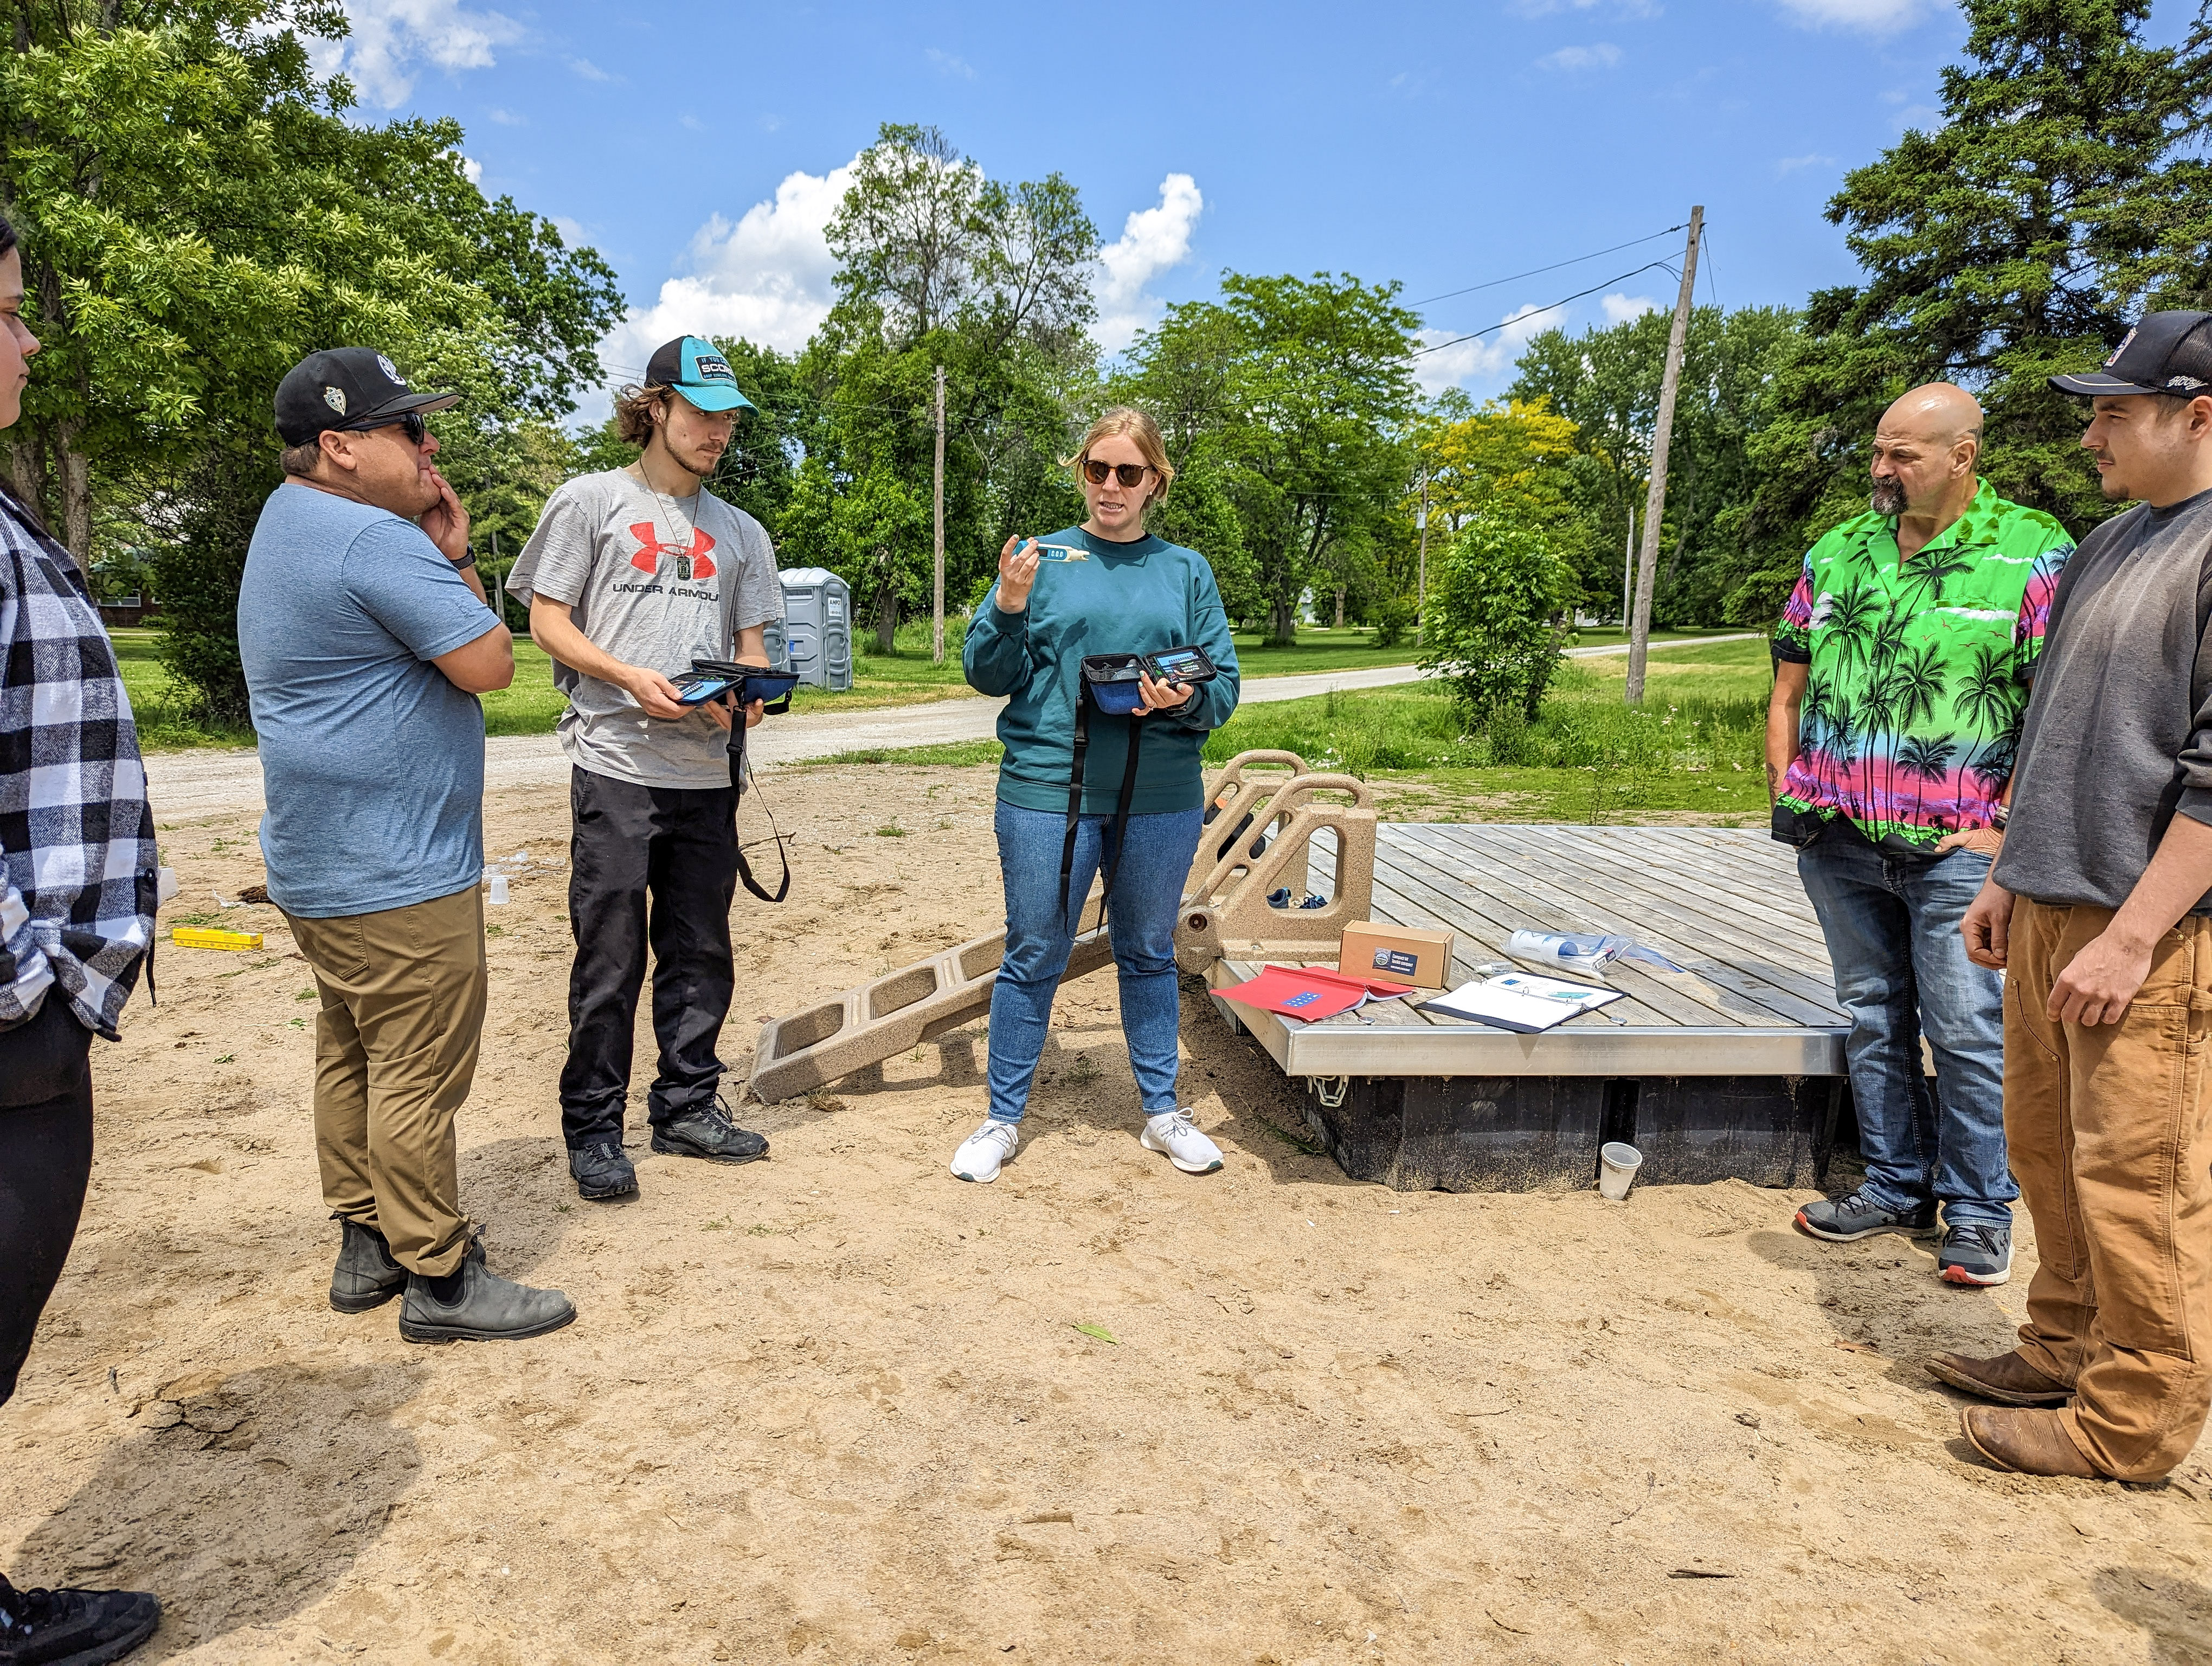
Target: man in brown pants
[(365, 640), (2100, 909)]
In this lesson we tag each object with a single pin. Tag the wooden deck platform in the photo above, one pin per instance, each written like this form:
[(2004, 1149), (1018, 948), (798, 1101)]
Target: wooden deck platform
[(1757, 999)]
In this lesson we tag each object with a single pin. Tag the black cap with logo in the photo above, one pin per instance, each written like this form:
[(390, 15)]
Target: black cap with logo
[(346, 388), (2167, 353)]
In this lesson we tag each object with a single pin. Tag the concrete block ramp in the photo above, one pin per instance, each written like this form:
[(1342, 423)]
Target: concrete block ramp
[(1265, 811)]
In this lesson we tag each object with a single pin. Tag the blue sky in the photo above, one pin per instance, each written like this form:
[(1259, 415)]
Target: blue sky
[(697, 147)]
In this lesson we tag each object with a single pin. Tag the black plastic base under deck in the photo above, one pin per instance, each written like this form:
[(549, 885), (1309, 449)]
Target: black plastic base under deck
[(1521, 1133)]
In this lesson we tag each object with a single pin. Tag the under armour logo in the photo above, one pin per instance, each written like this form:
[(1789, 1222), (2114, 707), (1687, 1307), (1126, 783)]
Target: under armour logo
[(695, 562)]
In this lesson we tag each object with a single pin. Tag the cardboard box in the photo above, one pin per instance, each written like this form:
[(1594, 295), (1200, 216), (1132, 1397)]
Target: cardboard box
[(1397, 954)]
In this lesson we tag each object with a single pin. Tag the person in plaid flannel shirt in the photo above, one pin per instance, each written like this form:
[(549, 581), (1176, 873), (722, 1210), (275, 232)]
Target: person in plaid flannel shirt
[(77, 892)]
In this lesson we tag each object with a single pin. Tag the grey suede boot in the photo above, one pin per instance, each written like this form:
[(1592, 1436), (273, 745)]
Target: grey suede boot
[(366, 1275), (477, 1305)]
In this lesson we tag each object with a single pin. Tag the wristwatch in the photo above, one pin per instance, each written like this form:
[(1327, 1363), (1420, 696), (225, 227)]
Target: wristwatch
[(466, 562)]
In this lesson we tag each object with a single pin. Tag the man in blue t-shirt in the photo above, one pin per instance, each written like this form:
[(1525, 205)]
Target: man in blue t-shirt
[(366, 639)]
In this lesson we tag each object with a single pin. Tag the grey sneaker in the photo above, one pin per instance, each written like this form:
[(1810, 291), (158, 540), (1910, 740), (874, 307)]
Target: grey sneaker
[(1845, 1219), (601, 1171), (366, 1275), (1976, 1253), (708, 1131), (480, 1307), (73, 1627)]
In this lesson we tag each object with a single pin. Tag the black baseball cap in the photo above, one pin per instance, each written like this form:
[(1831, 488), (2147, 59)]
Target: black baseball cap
[(346, 388), (2166, 353)]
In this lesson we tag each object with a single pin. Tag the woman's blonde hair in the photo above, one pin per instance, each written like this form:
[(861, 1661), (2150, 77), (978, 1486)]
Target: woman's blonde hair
[(1138, 425)]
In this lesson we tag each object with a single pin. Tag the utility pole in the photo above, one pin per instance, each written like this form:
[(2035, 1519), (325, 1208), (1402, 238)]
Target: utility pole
[(937, 594), (1421, 595), (1627, 567), (1654, 506)]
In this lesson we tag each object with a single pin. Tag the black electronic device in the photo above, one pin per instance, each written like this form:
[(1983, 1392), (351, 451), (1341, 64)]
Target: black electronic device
[(1181, 665), (710, 679)]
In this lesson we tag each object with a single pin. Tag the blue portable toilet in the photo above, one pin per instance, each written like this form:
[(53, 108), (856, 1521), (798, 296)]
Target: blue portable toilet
[(816, 635)]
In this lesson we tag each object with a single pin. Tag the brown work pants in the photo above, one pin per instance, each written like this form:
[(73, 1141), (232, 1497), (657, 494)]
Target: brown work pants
[(2110, 1130), (396, 1041)]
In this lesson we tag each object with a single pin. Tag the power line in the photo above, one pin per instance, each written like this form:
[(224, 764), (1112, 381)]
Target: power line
[(1538, 311), (1496, 282)]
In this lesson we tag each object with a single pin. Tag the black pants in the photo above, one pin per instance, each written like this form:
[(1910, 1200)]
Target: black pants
[(651, 867), (45, 1157)]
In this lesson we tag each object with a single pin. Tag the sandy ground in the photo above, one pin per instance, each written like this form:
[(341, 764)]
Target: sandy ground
[(836, 1407)]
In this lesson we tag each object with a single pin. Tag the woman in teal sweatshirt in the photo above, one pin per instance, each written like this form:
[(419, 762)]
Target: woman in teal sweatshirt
[(1106, 587)]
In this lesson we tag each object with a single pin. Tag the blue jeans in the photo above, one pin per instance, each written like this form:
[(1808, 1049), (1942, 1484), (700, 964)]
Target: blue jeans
[(1891, 923), (1146, 896)]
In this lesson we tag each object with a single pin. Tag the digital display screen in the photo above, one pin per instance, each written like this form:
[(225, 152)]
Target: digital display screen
[(691, 690), (1177, 665)]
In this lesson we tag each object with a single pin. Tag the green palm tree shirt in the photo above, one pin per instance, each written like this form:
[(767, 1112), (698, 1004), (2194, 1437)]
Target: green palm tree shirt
[(1918, 671)]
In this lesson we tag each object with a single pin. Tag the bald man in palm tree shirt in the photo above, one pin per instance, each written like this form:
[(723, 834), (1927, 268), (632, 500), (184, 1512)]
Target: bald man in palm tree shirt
[(1902, 664)]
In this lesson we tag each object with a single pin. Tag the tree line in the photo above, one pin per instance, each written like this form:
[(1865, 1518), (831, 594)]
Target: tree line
[(200, 208)]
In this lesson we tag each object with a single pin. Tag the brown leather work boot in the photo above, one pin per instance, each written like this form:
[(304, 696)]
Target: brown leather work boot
[(2026, 1443), (2008, 1379)]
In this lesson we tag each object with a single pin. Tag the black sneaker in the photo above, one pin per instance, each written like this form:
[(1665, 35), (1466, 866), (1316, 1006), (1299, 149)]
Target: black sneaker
[(601, 1171), (708, 1132), (72, 1627), (366, 1275), (478, 1306), (1844, 1220), (1979, 1252)]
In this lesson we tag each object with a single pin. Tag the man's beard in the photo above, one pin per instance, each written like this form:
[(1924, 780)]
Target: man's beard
[(1888, 497)]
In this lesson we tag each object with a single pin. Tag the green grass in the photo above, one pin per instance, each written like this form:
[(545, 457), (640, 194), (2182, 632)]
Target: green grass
[(531, 705), (1694, 747)]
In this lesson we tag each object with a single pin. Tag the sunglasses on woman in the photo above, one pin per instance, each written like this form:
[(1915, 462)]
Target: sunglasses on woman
[(1129, 474)]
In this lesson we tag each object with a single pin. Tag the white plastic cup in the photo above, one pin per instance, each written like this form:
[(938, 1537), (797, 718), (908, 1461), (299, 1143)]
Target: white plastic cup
[(1616, 1169), (498, 889)]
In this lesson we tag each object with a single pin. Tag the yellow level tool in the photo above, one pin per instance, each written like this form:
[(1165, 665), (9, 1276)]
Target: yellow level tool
[(202, 936)]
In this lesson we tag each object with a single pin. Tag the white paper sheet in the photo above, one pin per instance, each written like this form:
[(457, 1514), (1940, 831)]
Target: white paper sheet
[(1520, 1001)]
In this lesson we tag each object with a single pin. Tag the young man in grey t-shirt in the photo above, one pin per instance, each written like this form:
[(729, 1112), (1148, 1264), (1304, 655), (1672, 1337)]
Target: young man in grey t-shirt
[(631, 576)]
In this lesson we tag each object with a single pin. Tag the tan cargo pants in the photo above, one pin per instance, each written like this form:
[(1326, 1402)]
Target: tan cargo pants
[(402, 1010), (2110, 1129)]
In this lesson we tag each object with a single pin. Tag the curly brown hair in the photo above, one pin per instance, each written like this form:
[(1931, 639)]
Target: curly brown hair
[(633, 409)]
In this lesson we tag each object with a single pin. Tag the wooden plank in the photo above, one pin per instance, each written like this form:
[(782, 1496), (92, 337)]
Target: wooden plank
[(1491, 916), (1719, 909), (1647, 905), (1774, 876), (1712, 881), (1765, 1001)]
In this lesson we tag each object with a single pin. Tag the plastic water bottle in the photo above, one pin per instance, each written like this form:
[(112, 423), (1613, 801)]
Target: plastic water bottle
[(1585, 955)]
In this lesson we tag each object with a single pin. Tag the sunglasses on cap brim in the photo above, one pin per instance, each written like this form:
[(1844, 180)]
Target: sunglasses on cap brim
[(1129, 474)]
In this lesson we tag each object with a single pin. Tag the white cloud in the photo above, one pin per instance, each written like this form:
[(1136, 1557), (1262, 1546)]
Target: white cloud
[(472, 169), (1152, 240), (572, 231), (767, 277), (1786, 166), (1601, 56), (946, 63), (589, 70), (391, 40), (506, 118), (1620, 308), (1874, 17), (1486, 356)]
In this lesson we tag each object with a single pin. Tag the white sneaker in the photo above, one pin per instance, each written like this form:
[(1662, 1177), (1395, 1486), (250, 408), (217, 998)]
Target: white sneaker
[(1174, 1133), (982, 1152)]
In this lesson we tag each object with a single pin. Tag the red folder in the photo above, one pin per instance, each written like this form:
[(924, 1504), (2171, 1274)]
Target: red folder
[(1307, 992)]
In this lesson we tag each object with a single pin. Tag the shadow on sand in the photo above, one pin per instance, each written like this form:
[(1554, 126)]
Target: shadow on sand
[(243, 1501)]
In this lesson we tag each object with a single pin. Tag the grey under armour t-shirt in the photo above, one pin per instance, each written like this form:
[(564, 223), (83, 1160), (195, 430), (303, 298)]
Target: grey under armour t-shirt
[(648, 584)]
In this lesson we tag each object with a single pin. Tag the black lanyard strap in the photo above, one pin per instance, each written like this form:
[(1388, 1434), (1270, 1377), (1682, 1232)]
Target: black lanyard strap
[(1075, 807), (737, 751)]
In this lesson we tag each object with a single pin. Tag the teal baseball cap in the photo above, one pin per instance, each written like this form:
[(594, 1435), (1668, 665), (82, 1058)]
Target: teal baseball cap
[(695, 369)]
